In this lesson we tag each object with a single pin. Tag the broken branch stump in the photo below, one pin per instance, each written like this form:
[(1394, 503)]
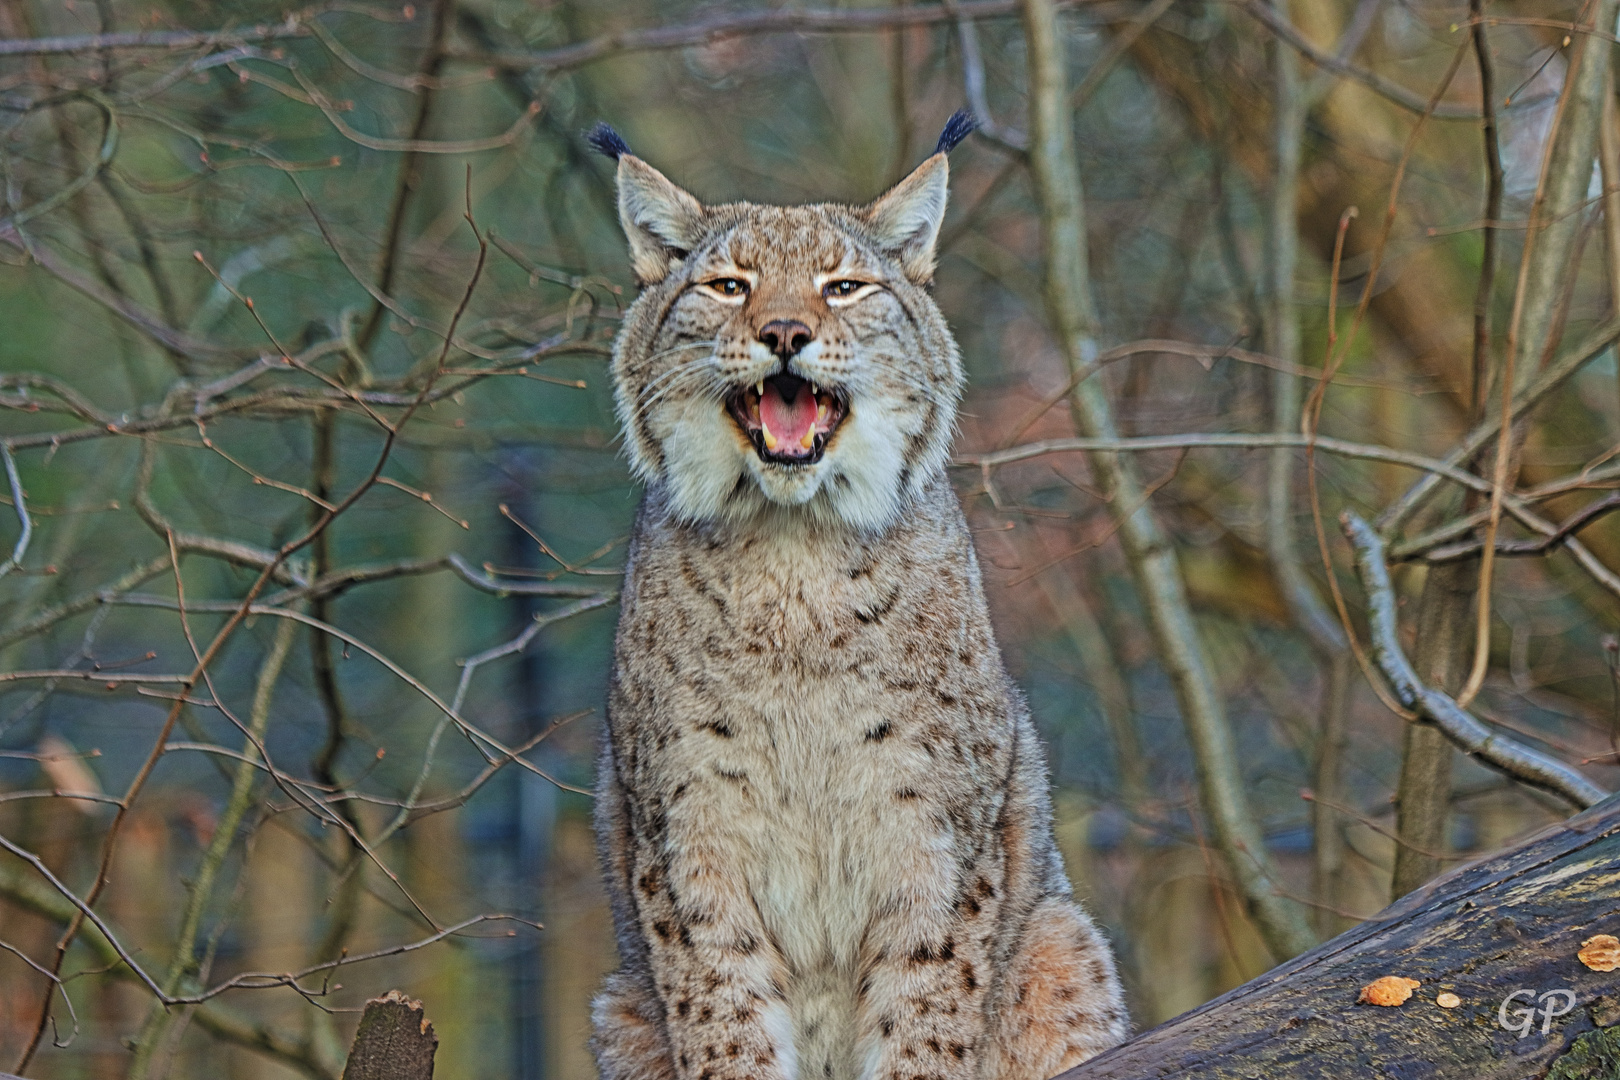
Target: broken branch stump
[(395, 1041)]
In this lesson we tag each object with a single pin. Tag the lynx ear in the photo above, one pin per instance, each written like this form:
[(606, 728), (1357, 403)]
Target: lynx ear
[(661, 221), (906, 219)]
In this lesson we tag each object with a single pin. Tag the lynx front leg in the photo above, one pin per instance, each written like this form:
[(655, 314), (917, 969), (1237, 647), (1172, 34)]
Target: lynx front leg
[(922, 999), (719, 977), (1059, 1001)]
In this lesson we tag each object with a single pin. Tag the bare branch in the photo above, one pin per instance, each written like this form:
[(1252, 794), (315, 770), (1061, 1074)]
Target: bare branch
[(83, 796), (110, 678), (1236, 440), (1513, 504), (973, 84), (233, 551), (152, 39), (1149, 553), (1575, 522), (59, 197), (489, 583), (1117, 48), (84, 602), (1206, 355), (1546, 275), (719, 27), (84, 911), (1534, 392), (259, 980), (126, 309), (1492, 748), (299, 1052), (1392, 91), (19, 502)]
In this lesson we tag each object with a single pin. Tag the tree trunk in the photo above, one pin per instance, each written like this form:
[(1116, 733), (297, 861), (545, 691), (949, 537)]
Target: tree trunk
[(1443, 651), (1511, 923)]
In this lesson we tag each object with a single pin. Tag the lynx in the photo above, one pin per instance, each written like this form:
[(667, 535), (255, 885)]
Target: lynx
[(822, 809)]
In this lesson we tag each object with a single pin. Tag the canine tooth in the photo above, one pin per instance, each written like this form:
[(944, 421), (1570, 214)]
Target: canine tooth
[(771, 441), (759, 388), (808, 440)]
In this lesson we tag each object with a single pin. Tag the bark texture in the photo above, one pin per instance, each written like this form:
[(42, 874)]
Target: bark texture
[(395, 1041), (1423, 800)]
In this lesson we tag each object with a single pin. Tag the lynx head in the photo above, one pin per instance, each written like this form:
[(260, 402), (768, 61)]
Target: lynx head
[(785, 359)]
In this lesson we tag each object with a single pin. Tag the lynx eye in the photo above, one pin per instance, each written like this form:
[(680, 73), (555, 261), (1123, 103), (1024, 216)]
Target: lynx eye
[(728, 286), (833, 290)]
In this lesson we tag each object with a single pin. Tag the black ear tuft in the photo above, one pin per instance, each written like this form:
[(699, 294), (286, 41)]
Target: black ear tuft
[(958, 127), (607, 142)]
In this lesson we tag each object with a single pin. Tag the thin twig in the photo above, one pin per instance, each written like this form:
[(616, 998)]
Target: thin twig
[(1234, 440), (1545, 271), (19, 502), (1537, 390), (1572, 524), (1494, 178), (260, 980), (1206, 355), (1514, 505), (1118, 46), (720, 27), (82, 911), (1349, 812), (1311, 422), (1391, 91)]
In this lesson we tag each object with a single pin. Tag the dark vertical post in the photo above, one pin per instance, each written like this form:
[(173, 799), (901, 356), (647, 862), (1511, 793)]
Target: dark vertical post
[(534, 801)]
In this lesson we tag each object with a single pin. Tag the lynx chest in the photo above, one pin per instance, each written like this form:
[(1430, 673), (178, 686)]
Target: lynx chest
[(812, 718)]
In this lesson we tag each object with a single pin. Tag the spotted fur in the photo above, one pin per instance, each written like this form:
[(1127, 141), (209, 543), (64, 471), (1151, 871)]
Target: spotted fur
[(822, 808)]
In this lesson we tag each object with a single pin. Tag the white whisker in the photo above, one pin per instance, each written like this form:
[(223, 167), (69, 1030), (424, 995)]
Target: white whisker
[(696, 378)]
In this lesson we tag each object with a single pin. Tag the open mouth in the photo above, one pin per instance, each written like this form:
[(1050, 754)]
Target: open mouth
[(788, 419)]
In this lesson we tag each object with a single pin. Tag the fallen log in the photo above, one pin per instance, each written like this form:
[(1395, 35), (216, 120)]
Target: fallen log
[(1507, 986)]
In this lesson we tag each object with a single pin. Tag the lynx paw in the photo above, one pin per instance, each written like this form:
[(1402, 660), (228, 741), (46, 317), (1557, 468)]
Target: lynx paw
[(1060, 1002)]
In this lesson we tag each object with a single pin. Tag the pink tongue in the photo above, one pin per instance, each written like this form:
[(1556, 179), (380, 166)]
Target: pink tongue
[(788, 421)]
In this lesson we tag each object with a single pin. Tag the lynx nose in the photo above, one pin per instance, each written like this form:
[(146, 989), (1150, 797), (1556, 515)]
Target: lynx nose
[(785, 337)]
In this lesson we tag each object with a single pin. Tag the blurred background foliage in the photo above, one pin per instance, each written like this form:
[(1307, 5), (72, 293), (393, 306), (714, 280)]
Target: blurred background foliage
[(398, 200)]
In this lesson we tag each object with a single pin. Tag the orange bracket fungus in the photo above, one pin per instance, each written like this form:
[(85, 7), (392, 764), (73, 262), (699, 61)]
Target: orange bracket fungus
[(1388, 991)]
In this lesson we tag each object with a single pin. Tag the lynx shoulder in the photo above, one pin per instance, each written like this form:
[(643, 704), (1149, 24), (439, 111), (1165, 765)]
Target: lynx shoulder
[(822, 809)]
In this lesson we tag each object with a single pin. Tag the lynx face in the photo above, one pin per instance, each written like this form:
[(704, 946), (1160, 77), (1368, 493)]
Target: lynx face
[(785, 359)]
